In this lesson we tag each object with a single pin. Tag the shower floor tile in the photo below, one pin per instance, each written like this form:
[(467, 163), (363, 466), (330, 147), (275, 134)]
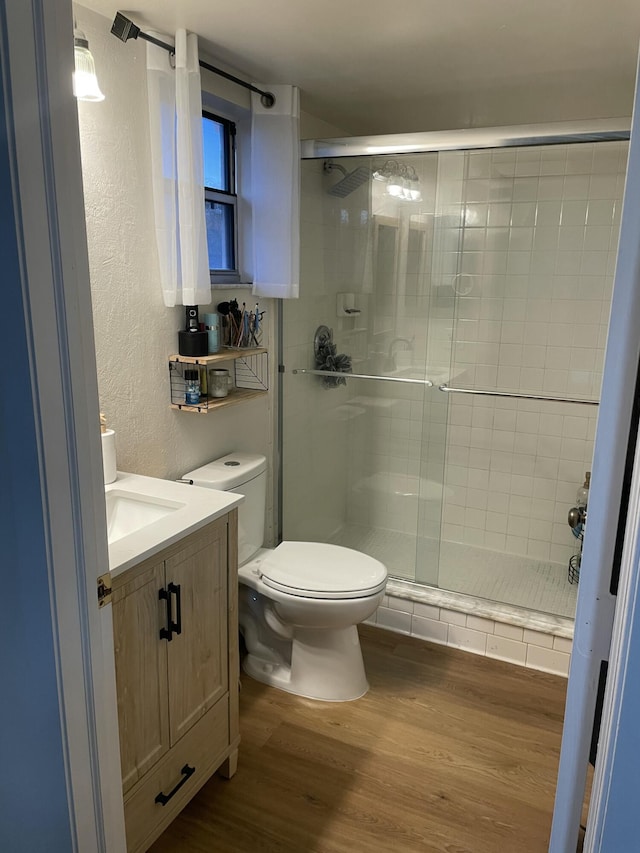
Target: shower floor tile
[(508, 578), (396, 550)]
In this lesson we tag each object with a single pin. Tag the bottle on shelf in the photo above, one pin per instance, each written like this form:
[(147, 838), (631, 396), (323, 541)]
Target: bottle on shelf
[(192, 387), (582, 495)]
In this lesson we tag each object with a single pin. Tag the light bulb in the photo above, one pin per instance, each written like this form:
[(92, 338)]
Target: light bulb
[(85, 82)]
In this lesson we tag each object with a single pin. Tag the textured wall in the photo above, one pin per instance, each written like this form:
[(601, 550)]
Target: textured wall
[(134, 332)]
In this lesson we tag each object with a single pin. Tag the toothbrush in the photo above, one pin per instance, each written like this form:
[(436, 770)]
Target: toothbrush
[(245, 320), (238, 338), (256, 325)]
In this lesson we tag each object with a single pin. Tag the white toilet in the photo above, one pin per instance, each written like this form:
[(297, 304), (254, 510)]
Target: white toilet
[(299, 604)]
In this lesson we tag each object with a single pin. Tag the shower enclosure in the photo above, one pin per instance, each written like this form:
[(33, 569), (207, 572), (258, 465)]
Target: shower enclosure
[(470, 286)]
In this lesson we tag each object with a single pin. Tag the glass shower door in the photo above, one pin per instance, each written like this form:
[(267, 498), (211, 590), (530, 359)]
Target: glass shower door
[(526, 256), (440, 273), (353, 467)]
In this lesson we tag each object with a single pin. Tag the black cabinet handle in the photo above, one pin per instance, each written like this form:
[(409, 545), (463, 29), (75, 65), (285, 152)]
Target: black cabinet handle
[(166, 633), (177, 625), (186, 772)]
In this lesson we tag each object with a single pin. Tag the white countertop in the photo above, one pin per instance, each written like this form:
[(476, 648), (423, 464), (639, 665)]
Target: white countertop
[(200, 507)]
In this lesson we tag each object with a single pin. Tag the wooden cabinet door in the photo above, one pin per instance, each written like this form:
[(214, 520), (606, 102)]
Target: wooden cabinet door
[(197, 657), (141, 672)]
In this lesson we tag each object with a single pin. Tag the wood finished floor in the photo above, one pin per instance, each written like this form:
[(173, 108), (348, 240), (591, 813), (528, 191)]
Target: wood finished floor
[(448, 751)]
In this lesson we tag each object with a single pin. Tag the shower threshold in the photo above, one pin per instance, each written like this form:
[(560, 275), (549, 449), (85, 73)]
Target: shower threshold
[(509, 588)]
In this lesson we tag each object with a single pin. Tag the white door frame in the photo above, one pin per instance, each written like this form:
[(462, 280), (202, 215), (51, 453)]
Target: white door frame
[(610, 818), (59, 378), (609, 520)]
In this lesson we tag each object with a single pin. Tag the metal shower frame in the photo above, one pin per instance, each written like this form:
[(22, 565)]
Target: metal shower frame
[(466, 139)]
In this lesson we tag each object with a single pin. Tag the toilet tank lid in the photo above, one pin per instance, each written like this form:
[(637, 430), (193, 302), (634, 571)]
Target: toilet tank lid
[(228, 472)]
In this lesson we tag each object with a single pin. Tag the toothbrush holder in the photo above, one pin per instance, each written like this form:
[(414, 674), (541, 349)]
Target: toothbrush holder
[(219, 382)]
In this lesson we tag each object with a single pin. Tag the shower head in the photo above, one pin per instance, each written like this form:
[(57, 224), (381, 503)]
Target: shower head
[(351, 180)]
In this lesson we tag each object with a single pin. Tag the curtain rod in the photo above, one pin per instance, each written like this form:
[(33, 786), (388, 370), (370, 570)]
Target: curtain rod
[(125, 29)]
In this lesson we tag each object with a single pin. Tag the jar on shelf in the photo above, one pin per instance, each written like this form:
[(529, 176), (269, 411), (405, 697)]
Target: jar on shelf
[(219, 382)]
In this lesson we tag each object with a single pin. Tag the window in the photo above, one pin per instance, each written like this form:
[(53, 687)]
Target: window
[(220, 199)]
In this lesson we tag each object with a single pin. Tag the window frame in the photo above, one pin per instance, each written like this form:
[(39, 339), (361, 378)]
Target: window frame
[(228, 197)]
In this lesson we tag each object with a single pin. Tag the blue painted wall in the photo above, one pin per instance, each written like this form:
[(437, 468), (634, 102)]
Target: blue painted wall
[(619, 831), (34, 811)]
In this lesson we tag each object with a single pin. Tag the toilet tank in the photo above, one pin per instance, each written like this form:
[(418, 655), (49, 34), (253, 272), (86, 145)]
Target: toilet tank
[(245, 474)]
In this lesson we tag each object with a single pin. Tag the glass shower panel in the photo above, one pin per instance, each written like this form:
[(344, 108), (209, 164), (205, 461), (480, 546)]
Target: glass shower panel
[(315, 420), (325, 423), (352, 454), (397, 347), (537, 235), (439, 282)]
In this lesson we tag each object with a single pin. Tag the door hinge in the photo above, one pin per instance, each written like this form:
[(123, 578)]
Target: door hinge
[(104, 590)]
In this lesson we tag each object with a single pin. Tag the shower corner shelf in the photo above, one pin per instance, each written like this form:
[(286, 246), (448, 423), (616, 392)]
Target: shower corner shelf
[(250, 374)]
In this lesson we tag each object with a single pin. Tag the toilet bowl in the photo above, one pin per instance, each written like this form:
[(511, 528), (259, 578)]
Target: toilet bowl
[(300, 603)]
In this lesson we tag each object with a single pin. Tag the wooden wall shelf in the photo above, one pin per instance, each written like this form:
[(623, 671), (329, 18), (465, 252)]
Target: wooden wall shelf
[(250, 374), (235, 395), (223, 355)]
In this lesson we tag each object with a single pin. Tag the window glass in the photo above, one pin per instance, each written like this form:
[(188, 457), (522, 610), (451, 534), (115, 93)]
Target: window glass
[(220, 199), (216, 170), (219, 222)]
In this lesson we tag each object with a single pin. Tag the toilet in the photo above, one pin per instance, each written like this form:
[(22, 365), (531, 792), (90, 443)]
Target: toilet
[(300, 603)]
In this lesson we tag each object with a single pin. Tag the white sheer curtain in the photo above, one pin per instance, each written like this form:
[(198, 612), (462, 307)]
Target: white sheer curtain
[(175, 123), (275, 193)]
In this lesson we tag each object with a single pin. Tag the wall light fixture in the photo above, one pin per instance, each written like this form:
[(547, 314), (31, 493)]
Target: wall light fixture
[(85, 82)]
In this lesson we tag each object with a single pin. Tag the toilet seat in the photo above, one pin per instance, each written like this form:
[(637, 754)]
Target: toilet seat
[(319, 570)]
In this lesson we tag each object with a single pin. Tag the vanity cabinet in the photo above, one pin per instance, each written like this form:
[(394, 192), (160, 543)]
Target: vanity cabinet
[(175, 631)]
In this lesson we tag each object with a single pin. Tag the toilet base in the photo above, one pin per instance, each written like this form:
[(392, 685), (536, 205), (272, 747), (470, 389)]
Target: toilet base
[(326, 664)]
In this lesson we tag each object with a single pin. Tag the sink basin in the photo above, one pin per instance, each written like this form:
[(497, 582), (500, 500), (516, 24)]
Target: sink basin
[(128, 512), (145, 515)]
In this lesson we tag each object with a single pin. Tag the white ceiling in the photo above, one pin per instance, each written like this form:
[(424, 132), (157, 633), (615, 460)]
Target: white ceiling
[(382, 66)]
